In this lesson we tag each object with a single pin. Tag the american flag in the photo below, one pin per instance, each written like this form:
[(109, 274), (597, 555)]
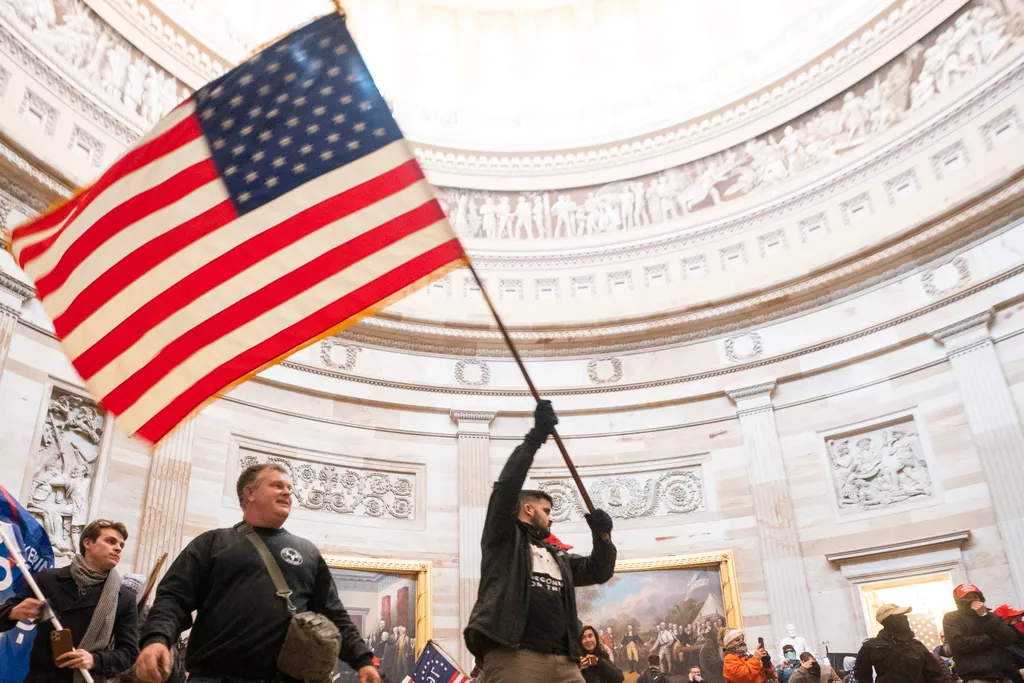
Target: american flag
[(276, 206), (434, 666)]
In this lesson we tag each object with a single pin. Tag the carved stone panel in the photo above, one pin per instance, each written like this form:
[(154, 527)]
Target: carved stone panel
[(332, 350), (343, 490), (627, 496), (877, 467), (66, 459)]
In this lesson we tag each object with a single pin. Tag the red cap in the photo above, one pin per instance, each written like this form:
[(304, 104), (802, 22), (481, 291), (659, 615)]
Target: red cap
[(1006, 612), (553, 540), (376, 662), (965, 589)]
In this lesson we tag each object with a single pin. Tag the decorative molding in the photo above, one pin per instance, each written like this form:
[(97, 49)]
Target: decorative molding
[(754, 391), (511, 288), (857, 208), (814, 227), (1005, 126), (979, 322), (743, 347), (542, 285), (629, 496), (36, 205), (343, 490), (936, 280), (727, 255), (1008, 195), (581, 283), (915, 545), (623, 276), (693, 265), (472, 416), (16, 287), (593, 367), (327, 347), (765, 241), (878, 466), (657, 275), (5, 76), (464, 364)]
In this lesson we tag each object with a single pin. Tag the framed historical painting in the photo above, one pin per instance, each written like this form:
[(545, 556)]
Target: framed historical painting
[(670, 607), (389, 602)]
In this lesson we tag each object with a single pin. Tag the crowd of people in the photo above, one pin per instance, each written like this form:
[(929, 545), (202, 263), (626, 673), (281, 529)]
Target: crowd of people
[(262, 607)]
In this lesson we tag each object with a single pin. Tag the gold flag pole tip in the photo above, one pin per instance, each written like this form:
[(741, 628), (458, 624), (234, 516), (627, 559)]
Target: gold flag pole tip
[(338, 7)]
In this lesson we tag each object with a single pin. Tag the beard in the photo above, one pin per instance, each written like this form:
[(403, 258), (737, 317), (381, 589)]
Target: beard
[(541, 526), (815, 670)]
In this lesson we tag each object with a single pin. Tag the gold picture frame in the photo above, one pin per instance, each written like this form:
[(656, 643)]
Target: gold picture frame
[(418, 569), (723, 561)]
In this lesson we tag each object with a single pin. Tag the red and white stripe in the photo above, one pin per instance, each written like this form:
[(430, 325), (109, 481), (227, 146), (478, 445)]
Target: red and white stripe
[(163, 295)]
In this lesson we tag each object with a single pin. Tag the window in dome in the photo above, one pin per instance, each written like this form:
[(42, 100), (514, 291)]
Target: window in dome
[(440, 287), (814, 228), (510, 289), (773, 242), (950, 159), (620, 282), (857, 209), (583, 287), (902, 187), (1002, 128), (657, 276), (470, 286), (38, 112), (695, 267), (86, 146), (733, 257), (547, 288)]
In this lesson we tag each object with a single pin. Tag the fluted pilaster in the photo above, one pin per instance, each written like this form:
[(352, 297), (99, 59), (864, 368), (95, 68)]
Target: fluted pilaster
[(163, 518), (13, 293), (474, 436), (785, 581), (995, 425)]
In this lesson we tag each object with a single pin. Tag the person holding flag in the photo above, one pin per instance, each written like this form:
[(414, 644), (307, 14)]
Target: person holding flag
[(92, 604), (16, 643)]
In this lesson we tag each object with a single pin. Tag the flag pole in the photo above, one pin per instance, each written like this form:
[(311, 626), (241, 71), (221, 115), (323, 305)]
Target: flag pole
[(338, 8), (533, 389)]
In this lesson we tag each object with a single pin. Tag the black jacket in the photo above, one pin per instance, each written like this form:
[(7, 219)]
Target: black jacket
[(75, 612), (896, 660), (978, 643), (499, 615), (603, 672), (241, 622)]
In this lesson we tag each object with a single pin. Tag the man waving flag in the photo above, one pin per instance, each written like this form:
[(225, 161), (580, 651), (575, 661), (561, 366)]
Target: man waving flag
[(276, 206), (16, 644)]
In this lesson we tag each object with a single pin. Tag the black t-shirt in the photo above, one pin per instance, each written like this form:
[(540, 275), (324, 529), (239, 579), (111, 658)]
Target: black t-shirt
[(546, 629)]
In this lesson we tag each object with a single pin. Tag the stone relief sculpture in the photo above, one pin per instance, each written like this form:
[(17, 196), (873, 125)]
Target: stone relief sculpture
[(672, 492), (344, 490), (76, 35), (68, 452), (957, 49), (878, 468)]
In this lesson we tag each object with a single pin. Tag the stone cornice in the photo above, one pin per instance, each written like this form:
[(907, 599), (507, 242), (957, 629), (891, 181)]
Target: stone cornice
[(16, 286), (981, 322), (762, 390), (472, 416), (914, 545), (994, 212)]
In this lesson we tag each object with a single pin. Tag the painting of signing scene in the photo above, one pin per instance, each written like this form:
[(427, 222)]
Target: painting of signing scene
[(383, 608), (669, 608)]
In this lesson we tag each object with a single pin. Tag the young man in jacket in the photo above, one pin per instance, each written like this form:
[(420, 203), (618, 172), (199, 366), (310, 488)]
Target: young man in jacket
[(895, 655), (242, 622), (977, 638), (90, 601), (524, 625)]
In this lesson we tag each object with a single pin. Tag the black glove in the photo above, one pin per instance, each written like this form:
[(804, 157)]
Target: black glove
[(544, 421), (600, 522)]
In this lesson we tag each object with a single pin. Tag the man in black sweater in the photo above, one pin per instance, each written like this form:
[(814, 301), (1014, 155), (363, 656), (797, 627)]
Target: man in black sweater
[(978, 638), (90, 601), (524, 625), (242, 623)]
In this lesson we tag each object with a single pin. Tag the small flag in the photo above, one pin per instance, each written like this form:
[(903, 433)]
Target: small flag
[(276, 206), (434, 666), (16, 644)]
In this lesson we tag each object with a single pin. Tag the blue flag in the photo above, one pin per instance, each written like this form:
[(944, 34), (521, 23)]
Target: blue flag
[(16, 644), (434, 666)]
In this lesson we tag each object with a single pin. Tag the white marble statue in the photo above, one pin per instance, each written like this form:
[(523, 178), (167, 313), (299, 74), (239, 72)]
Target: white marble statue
[(799, 643), (539, 214), (524, 219), (503, 212), (488, 217), (564, 212)]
